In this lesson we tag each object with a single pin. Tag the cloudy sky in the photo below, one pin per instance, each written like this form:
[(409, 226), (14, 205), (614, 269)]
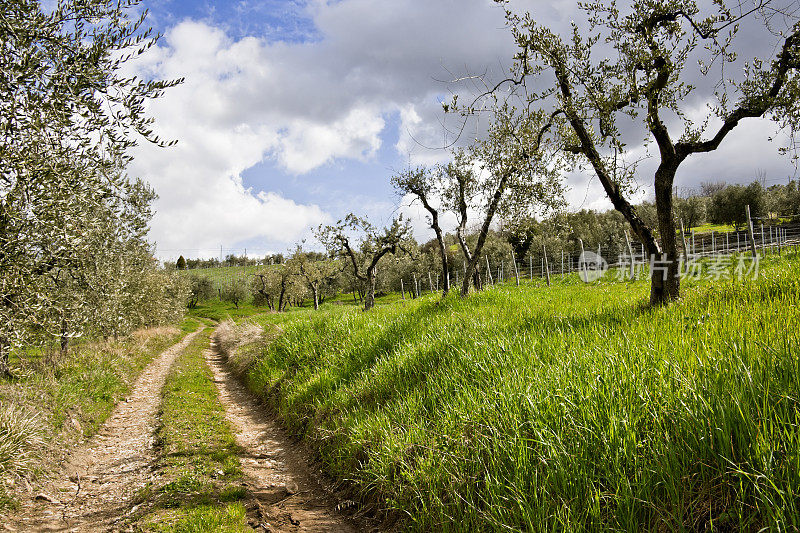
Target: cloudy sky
[(296, 112)]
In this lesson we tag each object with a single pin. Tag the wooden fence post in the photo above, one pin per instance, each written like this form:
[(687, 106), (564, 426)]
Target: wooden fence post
[(489, 271), (516, 272), (750, 231), (402, 292), (630, 253), (546, 266), (430, 281), (685, 247)]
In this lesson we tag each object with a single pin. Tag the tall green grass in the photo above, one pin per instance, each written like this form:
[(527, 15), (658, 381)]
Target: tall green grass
[(573, 407)]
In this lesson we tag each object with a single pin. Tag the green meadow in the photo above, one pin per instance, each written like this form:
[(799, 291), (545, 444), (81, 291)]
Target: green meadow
[(571, 407)]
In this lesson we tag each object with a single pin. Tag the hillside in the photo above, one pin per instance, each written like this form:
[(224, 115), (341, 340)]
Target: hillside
[(570, 407)]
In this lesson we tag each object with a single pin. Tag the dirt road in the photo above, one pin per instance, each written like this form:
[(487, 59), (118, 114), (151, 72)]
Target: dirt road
[(289, 496), (100, 477), (95, 489)]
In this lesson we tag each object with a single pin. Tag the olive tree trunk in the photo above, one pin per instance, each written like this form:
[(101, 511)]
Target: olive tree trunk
[(665, 279)]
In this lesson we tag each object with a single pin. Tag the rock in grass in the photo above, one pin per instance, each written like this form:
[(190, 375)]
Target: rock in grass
[(42, 497)]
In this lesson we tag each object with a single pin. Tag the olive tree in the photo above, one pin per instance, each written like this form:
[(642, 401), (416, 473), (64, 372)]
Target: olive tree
[(235, 291), (728, 205), (424, 185), (639, 66), (460, 190), (69, 115), (277, 285), (264, 287), (364, 245), (519, 171), (315, 273), (200, 288)]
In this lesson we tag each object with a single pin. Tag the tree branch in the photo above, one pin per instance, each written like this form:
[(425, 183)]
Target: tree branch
[(754, 106)]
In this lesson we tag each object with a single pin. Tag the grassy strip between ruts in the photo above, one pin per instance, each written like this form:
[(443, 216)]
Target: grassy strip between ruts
[(200, 488), (567, 408), (55, 400)]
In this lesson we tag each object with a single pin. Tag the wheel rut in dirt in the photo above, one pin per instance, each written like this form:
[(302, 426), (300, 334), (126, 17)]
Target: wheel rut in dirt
[(289, 496), (94, 489)]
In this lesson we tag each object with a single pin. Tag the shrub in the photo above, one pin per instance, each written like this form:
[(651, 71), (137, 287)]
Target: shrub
[(235, 292), (200, 288)]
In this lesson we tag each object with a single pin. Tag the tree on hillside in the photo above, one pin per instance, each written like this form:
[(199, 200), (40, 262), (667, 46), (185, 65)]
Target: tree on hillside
[(200, 288), (69, 114), (423, 185), (276, 285), (710, 188), (181, 263), (316, 273), (783, 200), (648, 85), (692, 210), (235, 292), (728, 205), (515, 156), (460, 189), (364, 246), (264, 287), (790, 200)]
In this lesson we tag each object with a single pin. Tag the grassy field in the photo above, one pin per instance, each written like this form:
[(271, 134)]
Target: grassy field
[(220, 276), (218, 310), (199, 462), (709, 227), (55, 400), (573, 407)]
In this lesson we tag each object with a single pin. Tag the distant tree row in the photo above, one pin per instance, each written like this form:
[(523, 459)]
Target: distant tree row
[(367, 261), (722, 203), (230, 260)]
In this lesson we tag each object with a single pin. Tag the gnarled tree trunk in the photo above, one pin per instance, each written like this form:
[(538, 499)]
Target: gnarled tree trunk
[(665, 267), (369, 299), (472, 266)]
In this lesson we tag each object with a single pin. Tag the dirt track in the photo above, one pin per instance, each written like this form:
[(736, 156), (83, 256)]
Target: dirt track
[(288, 495), (100, 477), (94, 490)]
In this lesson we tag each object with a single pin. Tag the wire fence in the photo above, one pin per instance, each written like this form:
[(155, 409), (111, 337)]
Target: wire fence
[(624, 256), (769, 238)]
